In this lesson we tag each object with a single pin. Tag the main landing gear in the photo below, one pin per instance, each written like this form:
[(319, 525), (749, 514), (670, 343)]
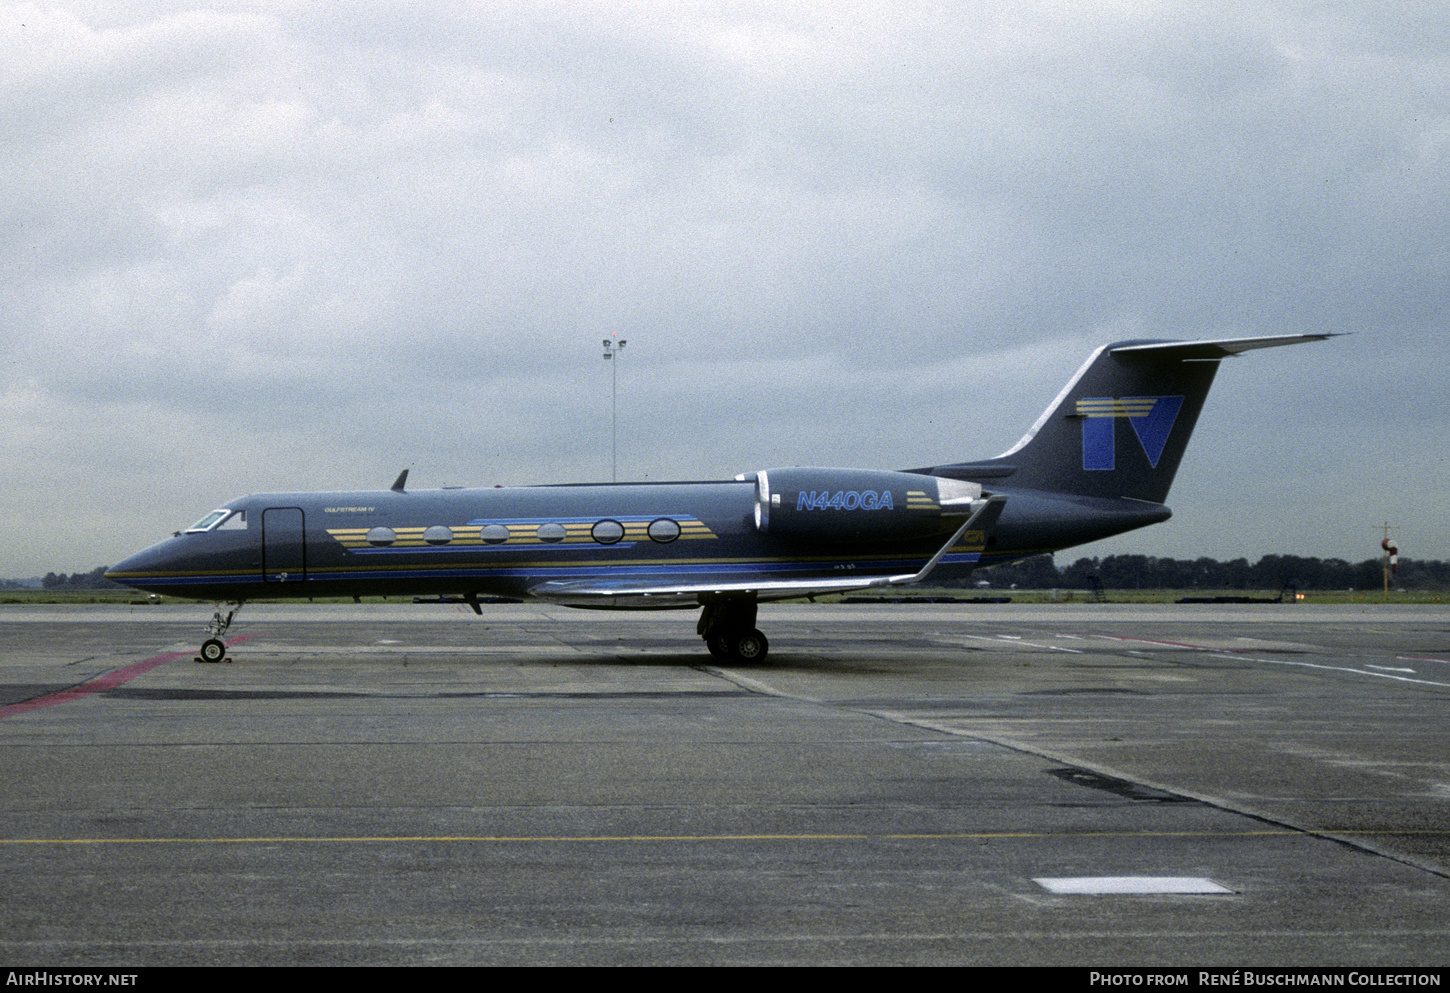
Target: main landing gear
[(214, 649), (728, 626)]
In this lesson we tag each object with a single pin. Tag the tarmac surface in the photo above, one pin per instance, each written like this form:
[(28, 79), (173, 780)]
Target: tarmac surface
[(411, 784)]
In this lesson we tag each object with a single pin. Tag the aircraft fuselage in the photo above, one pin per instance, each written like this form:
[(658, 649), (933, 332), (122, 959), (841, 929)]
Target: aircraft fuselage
[(512, 541)]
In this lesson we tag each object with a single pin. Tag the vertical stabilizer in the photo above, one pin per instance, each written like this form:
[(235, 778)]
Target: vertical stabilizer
[(1121, 426)]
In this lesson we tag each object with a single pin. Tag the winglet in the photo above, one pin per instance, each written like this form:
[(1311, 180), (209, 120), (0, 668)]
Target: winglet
[(400, 482), (982, 520)]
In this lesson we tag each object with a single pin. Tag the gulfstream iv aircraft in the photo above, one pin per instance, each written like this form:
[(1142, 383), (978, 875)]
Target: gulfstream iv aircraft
[(1099, 462)]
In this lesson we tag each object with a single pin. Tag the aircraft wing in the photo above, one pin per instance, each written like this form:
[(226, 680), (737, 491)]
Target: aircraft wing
[(606, 591)]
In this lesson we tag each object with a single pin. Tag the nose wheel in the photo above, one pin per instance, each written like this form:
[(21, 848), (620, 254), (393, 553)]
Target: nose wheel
[(213, 650)]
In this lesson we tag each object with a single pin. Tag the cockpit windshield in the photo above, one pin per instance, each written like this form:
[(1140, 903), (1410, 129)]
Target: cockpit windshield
[(222, 519)]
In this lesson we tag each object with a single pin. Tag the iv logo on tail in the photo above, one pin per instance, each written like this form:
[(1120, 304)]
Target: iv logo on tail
[(1152, 419)]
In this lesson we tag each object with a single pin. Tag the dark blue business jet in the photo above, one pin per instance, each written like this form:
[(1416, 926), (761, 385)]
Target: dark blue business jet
[(1099, 462)]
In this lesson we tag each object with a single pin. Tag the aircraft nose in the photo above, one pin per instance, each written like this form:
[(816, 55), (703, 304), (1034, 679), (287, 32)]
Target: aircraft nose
[(135, 570), (119, 572)]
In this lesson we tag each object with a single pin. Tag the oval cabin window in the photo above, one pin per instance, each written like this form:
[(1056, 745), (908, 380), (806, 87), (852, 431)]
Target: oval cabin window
[(664, 530), (607, 532)]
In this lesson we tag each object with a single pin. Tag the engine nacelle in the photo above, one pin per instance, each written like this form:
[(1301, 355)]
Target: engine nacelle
[(834, 505)]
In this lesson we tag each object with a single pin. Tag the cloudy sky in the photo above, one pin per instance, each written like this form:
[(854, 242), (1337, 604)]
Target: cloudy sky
[(270, 246)]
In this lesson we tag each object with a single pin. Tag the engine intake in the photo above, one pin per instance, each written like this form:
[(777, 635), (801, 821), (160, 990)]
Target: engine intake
[(833, 505)]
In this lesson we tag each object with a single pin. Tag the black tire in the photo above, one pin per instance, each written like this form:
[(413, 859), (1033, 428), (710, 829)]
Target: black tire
[(719, 646), (751, 646), (213, 650)]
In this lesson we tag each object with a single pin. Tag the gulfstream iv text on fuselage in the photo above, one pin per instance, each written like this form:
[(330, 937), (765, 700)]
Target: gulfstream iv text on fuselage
[(1097, 463)]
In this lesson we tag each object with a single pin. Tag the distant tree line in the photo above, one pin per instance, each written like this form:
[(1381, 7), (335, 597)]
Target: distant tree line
[(93, 580), (1113, 572), (1272, 572)]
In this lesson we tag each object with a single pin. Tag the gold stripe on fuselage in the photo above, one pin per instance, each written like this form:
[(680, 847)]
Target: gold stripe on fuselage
[(526, 533)]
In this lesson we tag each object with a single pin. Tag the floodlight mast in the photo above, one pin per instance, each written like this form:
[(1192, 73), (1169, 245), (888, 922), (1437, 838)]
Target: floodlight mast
[(612, 347)]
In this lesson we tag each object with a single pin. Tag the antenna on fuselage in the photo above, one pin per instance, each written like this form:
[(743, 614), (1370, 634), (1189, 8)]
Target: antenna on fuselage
[(400, 482)]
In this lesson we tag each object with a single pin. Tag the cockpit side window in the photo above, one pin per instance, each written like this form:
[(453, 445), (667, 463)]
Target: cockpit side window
[(222, 519)]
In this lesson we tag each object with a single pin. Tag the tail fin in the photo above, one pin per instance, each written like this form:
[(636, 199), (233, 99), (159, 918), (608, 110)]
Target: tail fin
[(1120, 427)]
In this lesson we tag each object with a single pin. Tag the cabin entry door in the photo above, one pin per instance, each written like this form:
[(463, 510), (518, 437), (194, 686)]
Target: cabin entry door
[(284, 547)]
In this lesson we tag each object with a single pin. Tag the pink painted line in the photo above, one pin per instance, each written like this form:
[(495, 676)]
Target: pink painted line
[(102, 683)]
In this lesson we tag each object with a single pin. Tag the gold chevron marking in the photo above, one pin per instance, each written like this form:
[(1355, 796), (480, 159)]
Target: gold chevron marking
[(1116, 408)]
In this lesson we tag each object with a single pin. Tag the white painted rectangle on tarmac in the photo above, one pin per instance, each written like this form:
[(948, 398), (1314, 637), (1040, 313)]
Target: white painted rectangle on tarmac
[(1131, 884)]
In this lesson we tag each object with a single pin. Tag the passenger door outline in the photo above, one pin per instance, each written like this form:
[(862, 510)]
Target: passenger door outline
[(284, 545)]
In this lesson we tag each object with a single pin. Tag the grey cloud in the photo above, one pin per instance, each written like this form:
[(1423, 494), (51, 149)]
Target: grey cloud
[(260, 248)]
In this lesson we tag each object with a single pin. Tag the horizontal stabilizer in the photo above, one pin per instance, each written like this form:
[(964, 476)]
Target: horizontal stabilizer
[(1216, 348)]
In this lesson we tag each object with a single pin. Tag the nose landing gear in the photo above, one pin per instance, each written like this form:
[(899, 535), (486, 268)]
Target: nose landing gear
[(214, 649)]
